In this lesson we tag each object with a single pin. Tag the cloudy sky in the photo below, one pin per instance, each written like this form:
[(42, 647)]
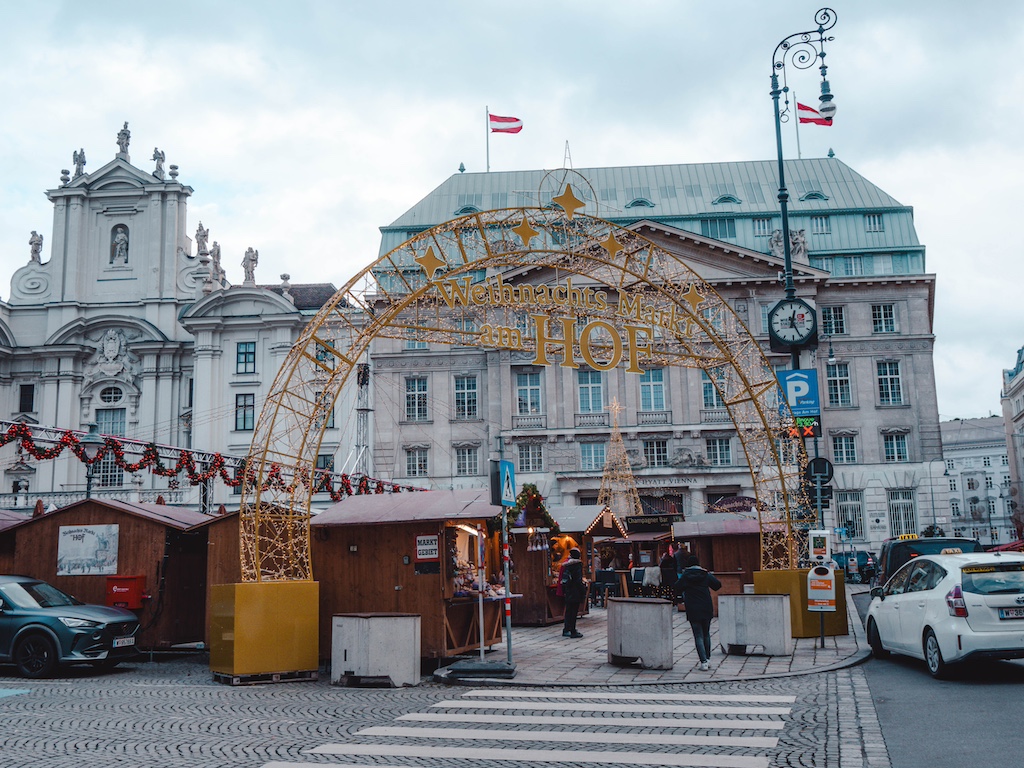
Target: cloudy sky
[(304, 126)]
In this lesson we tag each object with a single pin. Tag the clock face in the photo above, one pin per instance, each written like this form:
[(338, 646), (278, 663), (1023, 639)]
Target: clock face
[(792, 321)]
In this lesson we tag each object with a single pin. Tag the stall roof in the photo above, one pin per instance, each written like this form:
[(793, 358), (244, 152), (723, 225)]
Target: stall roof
[(574, 519), (640, 536), (164, 514), (715, 524), (471, 503), (9, 518)]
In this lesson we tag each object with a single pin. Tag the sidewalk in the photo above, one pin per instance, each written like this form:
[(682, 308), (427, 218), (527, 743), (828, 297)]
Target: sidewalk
[(543, 657)]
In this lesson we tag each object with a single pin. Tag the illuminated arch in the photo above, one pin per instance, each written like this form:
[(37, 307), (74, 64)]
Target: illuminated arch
[(416, 290)]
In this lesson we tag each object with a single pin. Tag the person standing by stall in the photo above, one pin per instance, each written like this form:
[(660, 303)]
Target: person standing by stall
[(668, 574), (694, 587), (572, 588)]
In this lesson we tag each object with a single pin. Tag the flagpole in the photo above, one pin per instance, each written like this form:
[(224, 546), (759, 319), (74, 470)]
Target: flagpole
[(796, 127), (487, 134)]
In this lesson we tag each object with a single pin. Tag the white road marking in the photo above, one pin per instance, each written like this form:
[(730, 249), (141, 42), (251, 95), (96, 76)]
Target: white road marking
[(624, 722), (654, 708), (608, 696)]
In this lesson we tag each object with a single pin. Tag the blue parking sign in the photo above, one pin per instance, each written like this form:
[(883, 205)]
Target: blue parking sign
[(801, 391)]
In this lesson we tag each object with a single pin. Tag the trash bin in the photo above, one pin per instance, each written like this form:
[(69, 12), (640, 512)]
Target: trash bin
[(375, 649), (640, 629)]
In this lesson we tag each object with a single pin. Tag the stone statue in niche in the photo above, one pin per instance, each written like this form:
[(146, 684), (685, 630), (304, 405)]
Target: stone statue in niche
[(119, 246), (159, 157), (202, 235), (124, 136), (249, 262), (78, 158), (35, 248), (798, 245), (776, 245)]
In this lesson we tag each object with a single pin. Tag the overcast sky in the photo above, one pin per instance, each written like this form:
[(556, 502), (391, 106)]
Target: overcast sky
[(305, 125)]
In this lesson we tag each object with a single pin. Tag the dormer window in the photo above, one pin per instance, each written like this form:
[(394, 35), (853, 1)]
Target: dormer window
[(814, 194), (640, 202), (726, 199), (466, 210)]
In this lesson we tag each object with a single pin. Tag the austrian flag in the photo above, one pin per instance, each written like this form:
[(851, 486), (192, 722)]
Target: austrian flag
[(501, 124), (809, 115)]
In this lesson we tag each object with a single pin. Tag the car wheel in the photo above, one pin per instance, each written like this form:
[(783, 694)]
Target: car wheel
[(35, 656), (875, 641), (938, 668)]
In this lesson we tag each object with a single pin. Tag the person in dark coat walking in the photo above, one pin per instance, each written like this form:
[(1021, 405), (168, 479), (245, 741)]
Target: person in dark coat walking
[(694, 587), (572, 590), (668, 573)]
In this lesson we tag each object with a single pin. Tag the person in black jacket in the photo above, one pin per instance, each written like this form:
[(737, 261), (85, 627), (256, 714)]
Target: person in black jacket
[(694, 587), (573, 590)]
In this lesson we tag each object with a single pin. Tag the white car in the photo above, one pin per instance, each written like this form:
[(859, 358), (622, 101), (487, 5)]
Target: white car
[(948, 608)]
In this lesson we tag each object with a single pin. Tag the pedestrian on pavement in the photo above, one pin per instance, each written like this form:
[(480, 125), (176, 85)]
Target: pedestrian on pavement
[(668, 573), (680, 556), (572, 589), (694, 587)]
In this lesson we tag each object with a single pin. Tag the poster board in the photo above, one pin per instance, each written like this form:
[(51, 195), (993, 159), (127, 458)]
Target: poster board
[(87, 550)]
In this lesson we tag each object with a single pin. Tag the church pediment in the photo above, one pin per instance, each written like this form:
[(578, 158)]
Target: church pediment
[(117, 175)]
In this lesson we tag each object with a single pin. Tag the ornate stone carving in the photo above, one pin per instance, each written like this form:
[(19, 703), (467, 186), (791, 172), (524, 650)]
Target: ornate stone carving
[(119, 245), (249, 262), (35, 248), (159, 157), (124, 137), (112, 359), (78, 158)]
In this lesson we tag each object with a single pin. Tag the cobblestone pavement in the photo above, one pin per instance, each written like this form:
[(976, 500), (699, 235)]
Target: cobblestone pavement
[(169, 713)]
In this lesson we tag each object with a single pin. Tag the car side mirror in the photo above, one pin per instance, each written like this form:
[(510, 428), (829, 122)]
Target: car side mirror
[(878, 592)]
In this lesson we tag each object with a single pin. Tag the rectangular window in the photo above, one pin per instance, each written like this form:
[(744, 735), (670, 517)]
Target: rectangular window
[(591, 395), (837, 381), (986, 461), (895, 448), (764, 317), (850, 512), (325, 462), (466, 463), (719, 229), (821, 225), (712, 397), (245, 413), (762, 227), (319, 420), (844, 449), (890, 388), (527, 393), (1004, 460), (245, 357), (109, 421), (466, 398), (719, 450), (833, 321), (954, 507), (592, 457), (415, 399), (27, 398), (652, 390), (656, 453), (883, 318), (416, 462), (950, 465), (902, 513), (873, 222), (531, 457), (952, 483), (414, 343), (989, 482)]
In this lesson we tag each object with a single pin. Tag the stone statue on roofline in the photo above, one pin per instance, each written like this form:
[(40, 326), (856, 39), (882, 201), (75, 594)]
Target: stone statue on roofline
[(249, 262), (35, 248), (159, 157), (78, 158), (124, 136)]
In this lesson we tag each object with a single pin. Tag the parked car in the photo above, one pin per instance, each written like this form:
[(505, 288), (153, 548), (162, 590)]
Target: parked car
[(895, 552), (949, 608), (42, 628), (859, 564)]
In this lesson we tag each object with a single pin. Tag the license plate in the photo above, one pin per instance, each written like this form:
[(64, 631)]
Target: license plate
[(121, 642), (1011, 613)]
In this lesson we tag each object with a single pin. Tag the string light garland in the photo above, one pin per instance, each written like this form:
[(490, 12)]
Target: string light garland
[(218, 466)]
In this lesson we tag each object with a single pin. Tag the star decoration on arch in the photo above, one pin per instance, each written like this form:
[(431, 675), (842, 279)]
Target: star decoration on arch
[(526, 232), (612, 245), (569, 202), (430, 262), (693, 297)]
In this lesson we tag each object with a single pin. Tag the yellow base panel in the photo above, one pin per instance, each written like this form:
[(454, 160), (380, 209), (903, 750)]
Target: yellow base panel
[(269, 627), (805, 623)]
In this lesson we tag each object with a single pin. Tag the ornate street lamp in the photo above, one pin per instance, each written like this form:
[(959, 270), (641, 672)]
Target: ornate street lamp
[(792, 319), (91, 444)]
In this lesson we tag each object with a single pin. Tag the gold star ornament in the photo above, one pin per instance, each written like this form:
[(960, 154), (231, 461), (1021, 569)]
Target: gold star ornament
[(612, 245), (693, 297), (526, 232), (569, 202), (430, 263)]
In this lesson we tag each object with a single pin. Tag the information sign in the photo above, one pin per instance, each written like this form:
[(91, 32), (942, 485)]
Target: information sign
[(821, 589)]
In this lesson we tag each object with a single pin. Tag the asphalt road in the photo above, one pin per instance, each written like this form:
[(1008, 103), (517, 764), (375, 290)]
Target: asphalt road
[(973, 719)]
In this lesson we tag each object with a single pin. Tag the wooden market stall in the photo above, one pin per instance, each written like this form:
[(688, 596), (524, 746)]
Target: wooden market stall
[(141, 556), (411, 553), (728, 544)]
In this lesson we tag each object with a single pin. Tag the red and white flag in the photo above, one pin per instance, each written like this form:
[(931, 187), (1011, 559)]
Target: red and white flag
[(501, 124), (808, 115)]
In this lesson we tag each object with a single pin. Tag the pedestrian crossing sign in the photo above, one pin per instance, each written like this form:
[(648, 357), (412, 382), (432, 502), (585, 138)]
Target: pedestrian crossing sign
[(507, 475)]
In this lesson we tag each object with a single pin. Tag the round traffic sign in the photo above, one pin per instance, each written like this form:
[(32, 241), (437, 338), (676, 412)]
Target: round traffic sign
[(819, 468)]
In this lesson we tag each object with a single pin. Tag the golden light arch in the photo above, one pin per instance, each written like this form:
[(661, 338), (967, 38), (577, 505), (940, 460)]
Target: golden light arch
[(522, 279)]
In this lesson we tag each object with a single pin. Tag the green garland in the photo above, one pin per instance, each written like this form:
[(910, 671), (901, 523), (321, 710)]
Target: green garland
[(530, 500)]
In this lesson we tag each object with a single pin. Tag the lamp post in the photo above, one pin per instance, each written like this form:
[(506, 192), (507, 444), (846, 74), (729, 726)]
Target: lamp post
[(802, 50), (92, 443)]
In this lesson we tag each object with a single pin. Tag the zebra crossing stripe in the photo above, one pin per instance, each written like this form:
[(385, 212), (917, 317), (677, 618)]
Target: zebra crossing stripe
[(608, 722), (603, 696), (672, 760), (654, 707), (746, 742)]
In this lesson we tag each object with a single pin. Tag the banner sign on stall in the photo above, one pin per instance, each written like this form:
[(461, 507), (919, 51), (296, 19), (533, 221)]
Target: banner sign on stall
[(427, 548), (821, 589)]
